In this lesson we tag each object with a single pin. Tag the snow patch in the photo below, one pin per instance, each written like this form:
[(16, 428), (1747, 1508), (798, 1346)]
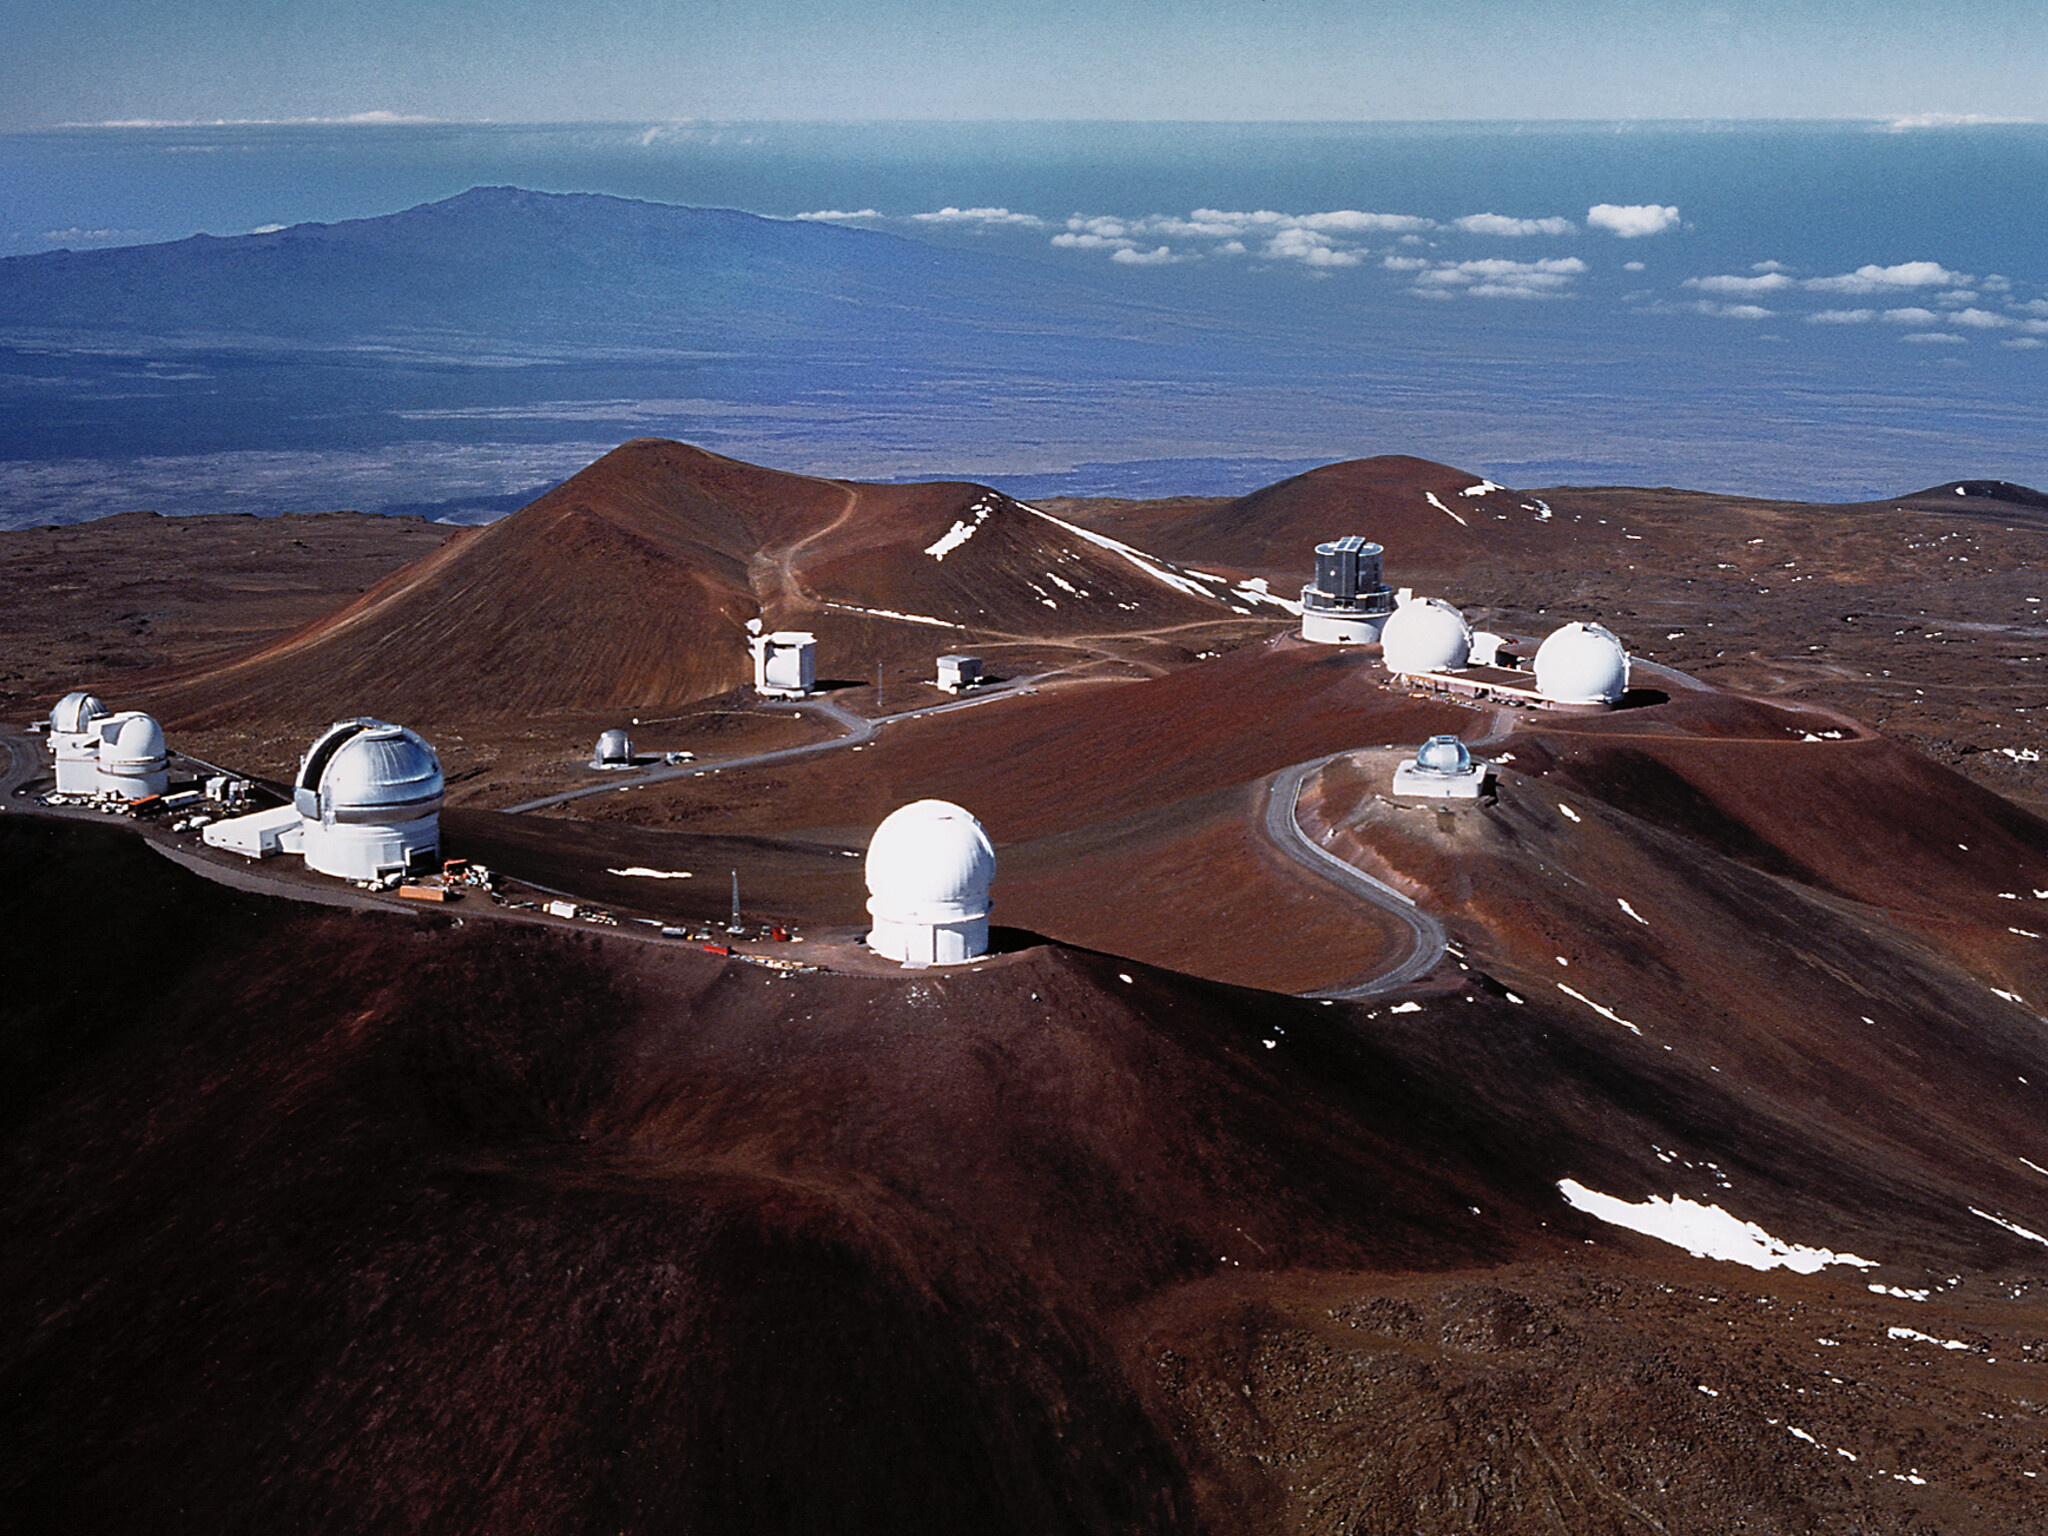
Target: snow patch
[(1567, 813), (653, 874), (1406, 1008), (2011, 1226), (1898, 1291), (1430, 497), (1917, 1336), (1704, 1231), (1605, 1013), (1483, 488), (1631, 911), (890, 613), (960, 532)]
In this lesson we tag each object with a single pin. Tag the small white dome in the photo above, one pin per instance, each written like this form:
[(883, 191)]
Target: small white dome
[(1582, 664), (1425, 635), (137, 741), (613, 747), (930, 862), (1443, 754), (75, 712)]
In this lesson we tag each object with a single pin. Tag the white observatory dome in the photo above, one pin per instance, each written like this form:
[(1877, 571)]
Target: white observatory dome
[(1443, 754), (75, 712), (614, 750), (1425, 634), (370, 796), (929, 868), (1582, 664), (75, 743), (133, 760)]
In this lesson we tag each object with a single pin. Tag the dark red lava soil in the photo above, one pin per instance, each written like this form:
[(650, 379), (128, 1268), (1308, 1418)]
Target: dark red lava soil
[(322, 1221)]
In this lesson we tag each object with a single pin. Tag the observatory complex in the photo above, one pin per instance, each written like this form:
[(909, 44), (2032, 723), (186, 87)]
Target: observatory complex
[(929, 868), (1347, 603), (105, 756), (1427, 642), (366, 806)]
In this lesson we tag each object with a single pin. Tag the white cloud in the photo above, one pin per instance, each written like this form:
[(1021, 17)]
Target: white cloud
[(1944, 120), (1091, 242), (1875, 279), (1932, 338), (1501, 224), (1734, 311), (1498, 278), (2018, 343), (950, 215), (1305, 245), (1910, 317), (1632, 220), (268, 229), (1764, 284), (1768, 266), (1405, 263), (1979, 319), (1844, 317), (838, 216), (1153, 258), (2033, 307), (1631, 266)]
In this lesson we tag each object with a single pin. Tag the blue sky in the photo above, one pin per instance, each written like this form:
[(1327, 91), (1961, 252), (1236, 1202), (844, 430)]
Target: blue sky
[(90, 61)]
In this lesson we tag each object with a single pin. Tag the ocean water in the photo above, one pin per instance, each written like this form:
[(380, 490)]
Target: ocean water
[(1823, 311)]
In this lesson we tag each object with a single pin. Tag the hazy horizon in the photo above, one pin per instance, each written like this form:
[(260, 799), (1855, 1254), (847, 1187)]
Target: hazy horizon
[(259, 61)]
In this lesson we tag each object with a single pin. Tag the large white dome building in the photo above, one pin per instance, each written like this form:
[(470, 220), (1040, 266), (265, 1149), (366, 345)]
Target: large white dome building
[(929, 869), (369, 794), (1582, 664), (133, 762), (75, 743), (1425, 634)]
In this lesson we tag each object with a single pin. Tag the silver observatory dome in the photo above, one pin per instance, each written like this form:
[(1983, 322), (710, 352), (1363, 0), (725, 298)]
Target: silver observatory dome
[(369, 772)]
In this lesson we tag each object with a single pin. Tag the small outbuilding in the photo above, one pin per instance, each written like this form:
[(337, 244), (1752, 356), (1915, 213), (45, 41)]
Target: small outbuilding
[(959, 673), (929, 869)]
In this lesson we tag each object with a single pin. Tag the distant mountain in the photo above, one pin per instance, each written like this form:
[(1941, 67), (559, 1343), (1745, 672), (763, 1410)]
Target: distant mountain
[(1429, 517), (630, 586), (504, 317)]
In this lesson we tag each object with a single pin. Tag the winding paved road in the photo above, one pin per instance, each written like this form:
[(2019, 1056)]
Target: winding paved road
[(1425, 934)]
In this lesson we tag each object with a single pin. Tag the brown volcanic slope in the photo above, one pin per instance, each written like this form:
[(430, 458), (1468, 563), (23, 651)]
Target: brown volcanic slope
[(371, 1225), (628, 588), (1432, 520)]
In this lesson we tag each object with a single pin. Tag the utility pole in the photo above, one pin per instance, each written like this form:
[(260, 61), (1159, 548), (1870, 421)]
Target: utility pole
[(734, 925)]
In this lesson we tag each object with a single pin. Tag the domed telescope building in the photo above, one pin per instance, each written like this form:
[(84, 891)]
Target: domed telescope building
[(614, 750), (929, 869), (1425, 635), (1443, 768), (1347, 603), (1582, 664), (369, 794), (75, 743), (133, 762)]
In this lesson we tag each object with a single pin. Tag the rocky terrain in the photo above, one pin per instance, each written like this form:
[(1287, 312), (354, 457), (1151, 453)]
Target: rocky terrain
[(380, 1221)]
